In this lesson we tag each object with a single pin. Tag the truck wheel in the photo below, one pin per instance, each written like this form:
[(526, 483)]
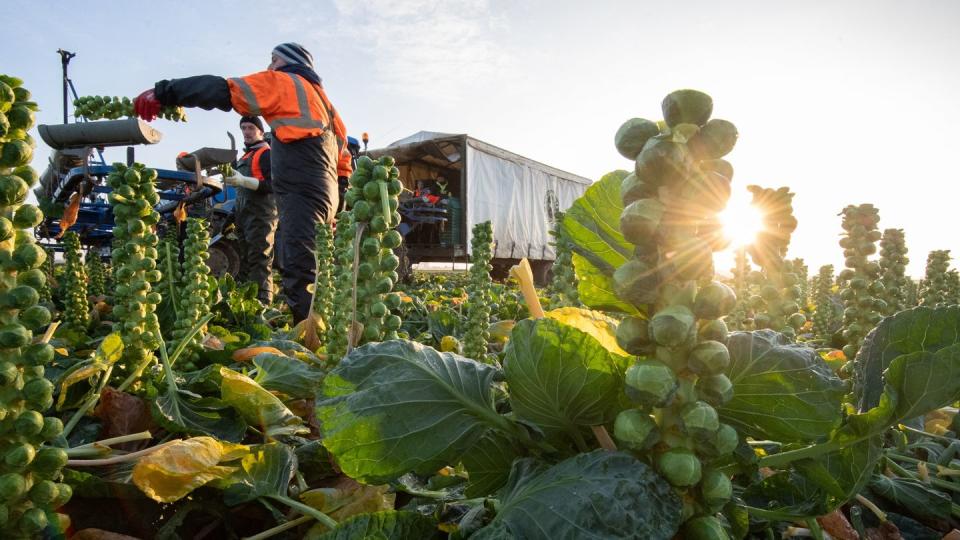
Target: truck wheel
[(542, 272), (405, 269), (224, 259)]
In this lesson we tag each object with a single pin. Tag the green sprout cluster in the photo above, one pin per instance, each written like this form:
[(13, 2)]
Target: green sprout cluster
[(860, 286), (45, 290), (97, 274), (365, 242), (134, 260), (563, 285), (934, 291), (30, 468), (826, 317), (478, 292), (679, 185), (778, 304), (114, 108), (953, 288), (893, 271), (76, 309), (324, 295), (741, 318), (194, 292)]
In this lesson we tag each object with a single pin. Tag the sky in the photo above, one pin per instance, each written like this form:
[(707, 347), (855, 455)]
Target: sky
[(845, 102)]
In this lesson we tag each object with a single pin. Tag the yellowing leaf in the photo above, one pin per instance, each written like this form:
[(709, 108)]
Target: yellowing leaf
[(61, 351), (500, 330), (70, 214), (595, 323), (247, 353), (109, 351), (175, 470), (180, 213), (524, 275), (347, 498), (258, 406)]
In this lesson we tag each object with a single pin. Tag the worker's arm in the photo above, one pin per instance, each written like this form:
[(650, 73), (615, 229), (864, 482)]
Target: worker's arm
[(344, 161), (266, 185), (204, 91)]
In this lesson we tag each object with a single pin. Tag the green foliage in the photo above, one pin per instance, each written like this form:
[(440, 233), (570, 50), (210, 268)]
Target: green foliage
[(194, 298), (30, 469), (76, 307), (826, 315), (661, 266), (113, 108), (97, 273), (134, 260), (601, 494), (478, 292), (859, 282), (324, 295), (563, 286), (780, 297), (364, 244), (893, 267), (383, 526)]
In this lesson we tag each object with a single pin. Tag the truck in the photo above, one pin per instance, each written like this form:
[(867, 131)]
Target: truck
[(521, 198)]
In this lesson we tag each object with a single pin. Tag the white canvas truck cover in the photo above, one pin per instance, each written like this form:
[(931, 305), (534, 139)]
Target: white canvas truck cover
[(516, 194)]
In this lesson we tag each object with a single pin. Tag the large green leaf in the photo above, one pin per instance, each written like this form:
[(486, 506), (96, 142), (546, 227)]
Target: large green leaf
[(915, 384), (783, 391), (561, 378), (600, 494), (180, 411), (592, 224), (786, 496), (910, 331), (912, 495), (281, 373), (395, 407), (844, 472), (265, 471), (488, 462), (383, 526)]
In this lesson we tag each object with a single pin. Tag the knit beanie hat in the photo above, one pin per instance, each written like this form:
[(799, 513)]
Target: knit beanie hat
[(255, 120), (294, 53)]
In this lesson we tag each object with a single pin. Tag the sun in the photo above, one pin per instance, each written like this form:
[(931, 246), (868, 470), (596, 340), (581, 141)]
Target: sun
[(741, 221)]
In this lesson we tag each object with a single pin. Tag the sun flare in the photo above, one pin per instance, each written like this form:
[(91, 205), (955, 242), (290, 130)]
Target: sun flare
[(741, 221)]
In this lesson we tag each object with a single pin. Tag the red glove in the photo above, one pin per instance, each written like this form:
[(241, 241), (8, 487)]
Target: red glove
[(146, 105)]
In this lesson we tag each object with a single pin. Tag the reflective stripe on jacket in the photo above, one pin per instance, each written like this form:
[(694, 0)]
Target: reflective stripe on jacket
[(251, 161), (293, 107)]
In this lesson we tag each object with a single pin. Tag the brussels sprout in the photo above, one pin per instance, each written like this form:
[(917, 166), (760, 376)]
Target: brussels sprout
[(722, 443), (679, 466), (716, 390), (636, 282), (633, 135), (652, 381), (715, 489), (700, 420), (714, 300), (709, 358), (671, 326), (704, 528), (640, 219), (635, 429), (713, 330)]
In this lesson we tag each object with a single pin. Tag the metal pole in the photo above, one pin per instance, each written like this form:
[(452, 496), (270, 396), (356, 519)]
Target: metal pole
[(65, 57)]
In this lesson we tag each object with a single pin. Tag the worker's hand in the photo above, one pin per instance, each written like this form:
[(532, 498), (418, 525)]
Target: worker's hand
[(240, 180), (146, 105)]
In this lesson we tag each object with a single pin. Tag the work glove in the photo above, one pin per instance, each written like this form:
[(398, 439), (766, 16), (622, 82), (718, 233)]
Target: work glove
[(146, 105), (239, 180)]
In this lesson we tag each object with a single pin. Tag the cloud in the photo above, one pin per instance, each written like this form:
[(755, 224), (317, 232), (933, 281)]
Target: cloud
[(427, 49)]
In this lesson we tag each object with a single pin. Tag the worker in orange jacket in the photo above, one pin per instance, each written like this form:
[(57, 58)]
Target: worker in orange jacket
[(308, 152)]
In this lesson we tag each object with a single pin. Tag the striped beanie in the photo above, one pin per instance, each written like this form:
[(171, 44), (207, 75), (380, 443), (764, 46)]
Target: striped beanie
[(294, 53)]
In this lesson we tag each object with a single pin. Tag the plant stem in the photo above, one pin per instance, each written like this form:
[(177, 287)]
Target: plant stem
[(916, 431), (881, 515), (306, 510), (909, 459), (816, 450), (97, 448), (280, 528), (88, 404), (904, 473), (425, 493), (118, 459), (815, 530), (603, 438)]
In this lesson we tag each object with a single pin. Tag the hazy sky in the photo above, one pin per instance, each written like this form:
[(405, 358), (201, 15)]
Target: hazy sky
[(845, 102)]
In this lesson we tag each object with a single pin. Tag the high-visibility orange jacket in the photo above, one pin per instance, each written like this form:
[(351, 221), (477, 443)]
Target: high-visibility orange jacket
[(294, 108)]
